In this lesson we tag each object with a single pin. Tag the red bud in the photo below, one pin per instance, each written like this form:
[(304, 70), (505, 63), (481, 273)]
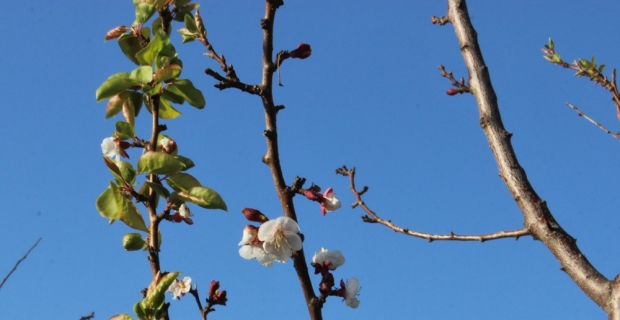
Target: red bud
[(302, 52), (254, 215), (452, 91)]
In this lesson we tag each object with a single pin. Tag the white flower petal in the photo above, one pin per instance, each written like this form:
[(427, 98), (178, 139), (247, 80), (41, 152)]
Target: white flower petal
[(352, 290), (293, 240)]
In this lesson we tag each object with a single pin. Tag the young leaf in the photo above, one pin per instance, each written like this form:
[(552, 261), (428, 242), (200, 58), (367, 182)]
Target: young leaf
[(122, 316), (142, 74), (127, 171), (185, 89), (190, 24), (108, 202), (212, 200), (169, 72), (166, 111), (125, 130), (114, 85), (156, 296), (131, 216), (144, 12), (186, 161), (182, 182), (138, 309), (130, 45), (147, 56), (172, 97), (115, 104), (159, 163), (159, 189), (129, 112)]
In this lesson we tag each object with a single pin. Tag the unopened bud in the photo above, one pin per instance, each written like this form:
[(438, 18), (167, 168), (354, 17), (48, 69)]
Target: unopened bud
[(220, 298), (133, 242), (452, 91), (313, 196), (302, 52), (115, 33), (254, 215), (213, 288)]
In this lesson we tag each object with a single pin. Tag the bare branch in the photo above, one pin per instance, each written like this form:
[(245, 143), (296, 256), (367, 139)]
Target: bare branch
[(18, 262), (372, 217), (89, 316), (581, 114)]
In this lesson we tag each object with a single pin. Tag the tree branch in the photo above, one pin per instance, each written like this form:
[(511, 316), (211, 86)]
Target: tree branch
[(272, 157), (537, 217), (372, 217), (585, 116), (18, 262)]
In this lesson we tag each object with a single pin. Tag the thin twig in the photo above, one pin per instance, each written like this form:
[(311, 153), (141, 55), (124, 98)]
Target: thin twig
[(581, 114), (372, 217), (89, 316), (18, 262)]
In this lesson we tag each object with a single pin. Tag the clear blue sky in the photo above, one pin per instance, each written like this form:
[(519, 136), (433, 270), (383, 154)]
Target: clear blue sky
[(370, 96)]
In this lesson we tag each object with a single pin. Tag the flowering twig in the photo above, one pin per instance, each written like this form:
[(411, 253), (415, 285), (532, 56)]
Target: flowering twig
[(18, 262), (586, 68), (203, 312), (372, 217), (581, 114)]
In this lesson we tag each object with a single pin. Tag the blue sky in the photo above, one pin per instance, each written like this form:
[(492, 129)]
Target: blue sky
[(370, 96)]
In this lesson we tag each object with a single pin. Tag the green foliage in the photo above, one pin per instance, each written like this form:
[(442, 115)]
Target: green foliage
[(186, 161), (130, 45), (167, 73), (127, 172), (159, 163), (185, 88), (124, 130), (133, 242), (188, 189), (115, 105), (142, 74), (122, 316), (147, 56), (159, 189), (131, 216), (114, 85), (108, 203), (144, 12)]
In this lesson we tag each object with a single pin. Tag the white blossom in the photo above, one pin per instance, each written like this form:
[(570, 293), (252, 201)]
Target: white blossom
[(110, 149), (351, 292), (256, 251), (330, 202), (180, 287), (281, 237), (334, 258)]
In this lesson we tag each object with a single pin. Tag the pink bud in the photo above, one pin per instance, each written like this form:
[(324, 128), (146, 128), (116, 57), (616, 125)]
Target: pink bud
[(213, 288), (313, 196), (452, 91), (302, 52)]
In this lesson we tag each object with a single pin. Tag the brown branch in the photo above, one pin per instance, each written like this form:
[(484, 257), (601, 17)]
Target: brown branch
[(372, 217), (581, 114), (203, 312), (225, 83), (459, 85), (272, 157), (537, 217), (18, 262)]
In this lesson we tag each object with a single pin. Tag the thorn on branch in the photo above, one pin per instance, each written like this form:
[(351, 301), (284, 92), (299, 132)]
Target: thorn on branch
[(278, 108)]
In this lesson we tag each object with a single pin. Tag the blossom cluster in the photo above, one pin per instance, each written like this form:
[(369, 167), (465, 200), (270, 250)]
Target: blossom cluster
[(273, 240)]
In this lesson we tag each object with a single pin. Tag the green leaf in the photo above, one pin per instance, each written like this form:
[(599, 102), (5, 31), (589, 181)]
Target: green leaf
[(144, 12), (108, 202), (190, 24), (147, 56), (185, 89), (112, 166), (156, 26), (138, 309), (127, 171), (551, 45), (186, 161), (153, 90), (129, 112), (172, 97), (145, 191), (131, 216), (156, 296), (187, 38), (130, 45), (169, 72), (142, 74), (601, 68), (182, 182), (212, 200), (125, 130), (133, 242), (159, 163), (180, 15), (202, 196), (115, 104), (114, 85), (159, 189), (166, 111)]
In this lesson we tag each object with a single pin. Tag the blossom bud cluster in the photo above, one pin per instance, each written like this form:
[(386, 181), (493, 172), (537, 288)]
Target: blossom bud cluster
[(324, 261), (327, 200)]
